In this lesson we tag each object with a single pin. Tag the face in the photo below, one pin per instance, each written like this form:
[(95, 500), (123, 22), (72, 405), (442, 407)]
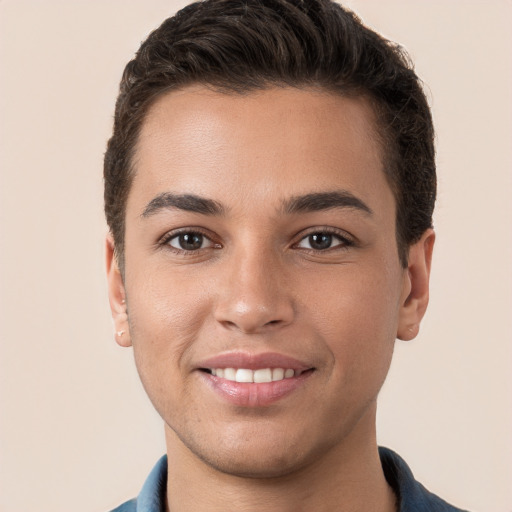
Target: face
[(262, 282)]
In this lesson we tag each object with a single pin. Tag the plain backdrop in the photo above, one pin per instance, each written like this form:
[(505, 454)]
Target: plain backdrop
[(76, 429)]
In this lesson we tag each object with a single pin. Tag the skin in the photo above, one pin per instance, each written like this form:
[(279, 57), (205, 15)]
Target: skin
[(256, 284)]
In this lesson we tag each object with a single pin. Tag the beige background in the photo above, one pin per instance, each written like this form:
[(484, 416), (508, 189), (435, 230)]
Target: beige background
[(76, 430)]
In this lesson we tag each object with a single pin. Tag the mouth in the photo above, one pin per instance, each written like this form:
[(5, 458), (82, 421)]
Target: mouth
[(254, 380), (257, 376)]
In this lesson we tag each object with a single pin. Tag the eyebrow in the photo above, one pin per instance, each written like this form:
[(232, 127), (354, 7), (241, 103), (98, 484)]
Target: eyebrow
[(186, 202), (319, 201), (316, 201)]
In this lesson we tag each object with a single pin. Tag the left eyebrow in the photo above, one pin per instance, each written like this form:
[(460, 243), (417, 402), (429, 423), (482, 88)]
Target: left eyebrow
[(319, 201), (186, 202)]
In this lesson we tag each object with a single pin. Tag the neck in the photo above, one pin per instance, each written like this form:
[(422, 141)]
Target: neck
[(349, 477)]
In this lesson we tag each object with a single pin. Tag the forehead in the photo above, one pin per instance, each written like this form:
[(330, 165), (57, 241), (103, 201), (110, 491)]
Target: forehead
[(265, 144)]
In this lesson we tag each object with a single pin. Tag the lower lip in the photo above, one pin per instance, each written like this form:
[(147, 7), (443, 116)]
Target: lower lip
[(250, 394)]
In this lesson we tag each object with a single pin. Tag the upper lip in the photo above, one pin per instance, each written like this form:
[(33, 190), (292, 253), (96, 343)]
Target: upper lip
[(253, 361)]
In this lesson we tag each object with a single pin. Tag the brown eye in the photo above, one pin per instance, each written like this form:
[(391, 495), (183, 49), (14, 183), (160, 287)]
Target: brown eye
[(322, 241), (189, 241)]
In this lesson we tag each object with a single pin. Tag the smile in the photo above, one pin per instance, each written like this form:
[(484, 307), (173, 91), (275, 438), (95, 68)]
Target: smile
[(254, 380), (257, 376)]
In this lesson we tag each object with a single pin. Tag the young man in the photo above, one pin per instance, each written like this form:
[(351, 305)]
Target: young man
[(269, 189)]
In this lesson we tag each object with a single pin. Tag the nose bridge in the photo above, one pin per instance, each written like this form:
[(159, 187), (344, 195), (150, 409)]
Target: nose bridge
[(254, 295)]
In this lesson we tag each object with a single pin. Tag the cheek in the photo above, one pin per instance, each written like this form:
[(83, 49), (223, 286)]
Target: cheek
[(358, 322), (165, 315)]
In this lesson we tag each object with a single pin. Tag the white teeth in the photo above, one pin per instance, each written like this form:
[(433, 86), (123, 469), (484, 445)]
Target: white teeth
[(229, 373), (243, 375), (258, 376), (263, 375), (277, 374)]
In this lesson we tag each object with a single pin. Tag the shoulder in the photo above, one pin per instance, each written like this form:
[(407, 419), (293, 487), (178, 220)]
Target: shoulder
[(128, 506), (152, 495), (412, 496)]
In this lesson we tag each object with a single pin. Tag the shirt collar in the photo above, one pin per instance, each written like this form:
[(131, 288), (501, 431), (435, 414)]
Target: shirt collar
[(411, 495)]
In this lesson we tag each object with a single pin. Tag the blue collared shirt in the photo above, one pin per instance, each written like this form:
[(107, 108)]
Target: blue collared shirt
[(411, 495)]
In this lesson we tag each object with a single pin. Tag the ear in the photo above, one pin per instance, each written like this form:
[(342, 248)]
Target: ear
[(415, 291), (117, 296)]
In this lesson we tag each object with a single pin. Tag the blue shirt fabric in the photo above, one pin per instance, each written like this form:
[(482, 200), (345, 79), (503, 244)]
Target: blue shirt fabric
[(411, 495)]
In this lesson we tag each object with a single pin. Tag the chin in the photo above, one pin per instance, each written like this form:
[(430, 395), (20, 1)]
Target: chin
[(255, 455), (262, 466)]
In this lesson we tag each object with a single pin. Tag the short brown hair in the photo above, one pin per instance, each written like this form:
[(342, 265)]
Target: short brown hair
[(236, 46)]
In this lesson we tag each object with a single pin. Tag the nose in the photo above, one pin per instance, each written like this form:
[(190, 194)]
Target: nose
[(254, 296)]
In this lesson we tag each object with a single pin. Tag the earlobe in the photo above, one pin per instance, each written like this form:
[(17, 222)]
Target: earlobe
[(415, 294), (117, 296)]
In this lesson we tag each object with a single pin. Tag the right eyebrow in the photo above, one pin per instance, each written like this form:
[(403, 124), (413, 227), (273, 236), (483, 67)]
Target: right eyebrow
[(186, 202), (318, 201)]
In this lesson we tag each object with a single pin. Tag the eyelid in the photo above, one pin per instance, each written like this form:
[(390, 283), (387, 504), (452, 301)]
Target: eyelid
[(346, 239), (206, 243), (165, 239)]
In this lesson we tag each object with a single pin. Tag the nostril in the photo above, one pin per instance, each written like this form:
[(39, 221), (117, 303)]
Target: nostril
[(251, 316), (229, 323)]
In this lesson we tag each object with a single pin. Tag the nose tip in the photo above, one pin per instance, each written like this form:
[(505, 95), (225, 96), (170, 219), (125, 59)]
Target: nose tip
[(250, 318), (254, 299)]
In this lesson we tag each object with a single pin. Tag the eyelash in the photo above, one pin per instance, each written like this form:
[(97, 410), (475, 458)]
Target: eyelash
[(342, 237), (166, 239), (345, 240)]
